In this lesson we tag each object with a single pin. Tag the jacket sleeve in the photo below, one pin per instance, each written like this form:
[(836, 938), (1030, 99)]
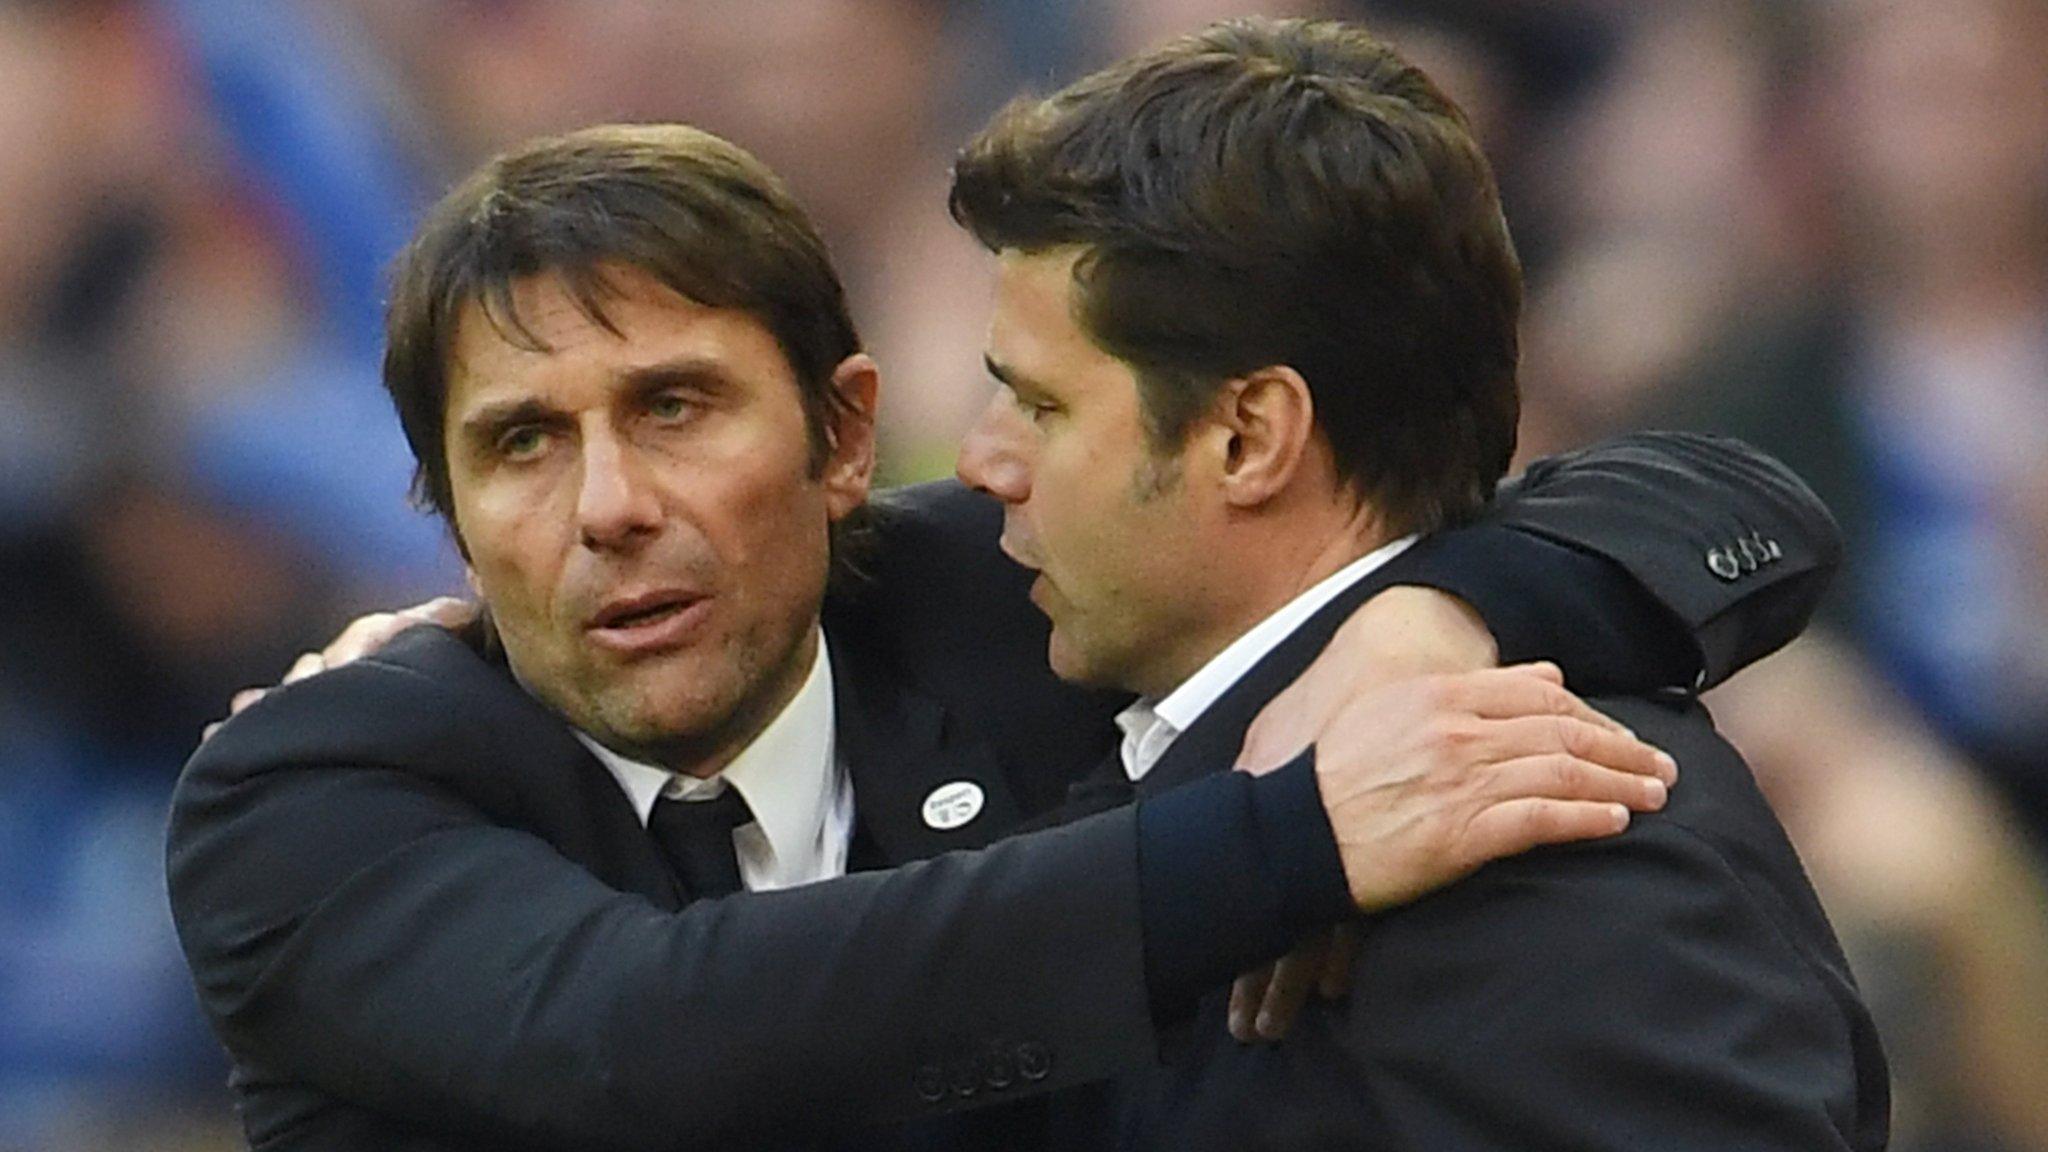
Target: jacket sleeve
[(1652, 560), (359, 929), (366, 929)]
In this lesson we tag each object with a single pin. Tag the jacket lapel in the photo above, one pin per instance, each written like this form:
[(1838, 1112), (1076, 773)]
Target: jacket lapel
[(920, 787), (559, 791)]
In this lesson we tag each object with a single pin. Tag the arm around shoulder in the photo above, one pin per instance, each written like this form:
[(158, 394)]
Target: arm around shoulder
[(363, 929), (1645, 558)]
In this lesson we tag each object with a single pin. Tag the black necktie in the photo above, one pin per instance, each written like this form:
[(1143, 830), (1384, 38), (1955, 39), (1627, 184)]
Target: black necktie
[(696, 836)]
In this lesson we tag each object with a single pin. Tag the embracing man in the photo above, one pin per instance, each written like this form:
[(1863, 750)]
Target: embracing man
[(615, 870), (1256, 324)]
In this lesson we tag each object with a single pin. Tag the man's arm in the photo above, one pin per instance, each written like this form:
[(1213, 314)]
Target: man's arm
[(367, 930), (1651, 560)]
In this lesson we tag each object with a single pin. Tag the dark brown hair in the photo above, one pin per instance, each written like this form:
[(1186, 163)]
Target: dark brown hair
[(698, 214), (1280, 192)]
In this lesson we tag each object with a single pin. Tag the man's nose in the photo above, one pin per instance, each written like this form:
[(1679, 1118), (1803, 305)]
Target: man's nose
[(992, 456), (617, 505)]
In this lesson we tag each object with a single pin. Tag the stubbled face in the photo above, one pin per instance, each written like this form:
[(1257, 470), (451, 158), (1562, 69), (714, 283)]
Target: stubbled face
[(1113, 529), (641, 514)]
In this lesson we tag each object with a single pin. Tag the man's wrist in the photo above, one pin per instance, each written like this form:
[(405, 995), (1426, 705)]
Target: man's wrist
[(1232, 869)]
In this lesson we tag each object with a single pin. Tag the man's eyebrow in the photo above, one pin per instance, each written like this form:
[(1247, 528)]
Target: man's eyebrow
[(701, 372), (489, 420)]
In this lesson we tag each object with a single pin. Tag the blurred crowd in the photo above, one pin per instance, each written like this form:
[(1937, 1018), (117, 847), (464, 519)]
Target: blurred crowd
[(1821, 225)]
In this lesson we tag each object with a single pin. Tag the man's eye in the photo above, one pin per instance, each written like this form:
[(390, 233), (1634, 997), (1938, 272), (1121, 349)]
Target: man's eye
[(522, 442), (669, 406), (1034, 410)]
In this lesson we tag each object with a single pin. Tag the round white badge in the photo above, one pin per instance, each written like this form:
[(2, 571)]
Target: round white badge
[(951, 805)]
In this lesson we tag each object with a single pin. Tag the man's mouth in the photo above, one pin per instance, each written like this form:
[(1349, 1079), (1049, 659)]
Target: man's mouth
[(648, 621)]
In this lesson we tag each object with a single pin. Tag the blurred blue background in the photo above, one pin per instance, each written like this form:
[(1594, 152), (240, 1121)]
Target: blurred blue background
[(1820, 224)]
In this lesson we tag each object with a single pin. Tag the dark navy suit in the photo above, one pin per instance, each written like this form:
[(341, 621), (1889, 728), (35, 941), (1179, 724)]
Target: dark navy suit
[(420, 915)]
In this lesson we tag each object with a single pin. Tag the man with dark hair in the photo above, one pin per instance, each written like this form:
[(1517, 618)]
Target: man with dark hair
[(690, 210), (516, 894), (1274, 249)]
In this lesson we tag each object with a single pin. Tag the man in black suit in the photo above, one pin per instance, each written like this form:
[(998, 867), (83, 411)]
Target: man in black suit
[(1255, 318), (420, 894)]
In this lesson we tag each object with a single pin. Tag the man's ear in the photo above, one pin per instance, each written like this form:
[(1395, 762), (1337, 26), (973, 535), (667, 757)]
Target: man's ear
[(849, 465), (1268, 420)]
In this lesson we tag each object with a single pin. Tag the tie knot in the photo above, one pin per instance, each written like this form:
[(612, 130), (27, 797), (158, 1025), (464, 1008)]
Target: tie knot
[(727, 810), (696, 836)]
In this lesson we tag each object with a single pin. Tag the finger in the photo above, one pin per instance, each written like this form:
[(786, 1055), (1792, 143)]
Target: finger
[(207, 732), (1540, 735), (365, 635), (1518, 825), (1524, 690), (308, 664), (1335, 983), (444, 611), (244, 698), (1294, 976), (1558, 776), (1246, 994)]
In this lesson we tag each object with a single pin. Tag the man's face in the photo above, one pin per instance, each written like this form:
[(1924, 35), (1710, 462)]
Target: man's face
[(1111, 526), (641, 513)]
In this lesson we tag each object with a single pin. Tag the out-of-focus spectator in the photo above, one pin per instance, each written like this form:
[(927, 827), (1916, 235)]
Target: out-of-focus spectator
[(847, 99), (1670, 218), (129, 599), (1911, 384)]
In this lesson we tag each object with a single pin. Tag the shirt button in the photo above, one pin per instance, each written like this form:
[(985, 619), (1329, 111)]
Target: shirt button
[(931, 1083)]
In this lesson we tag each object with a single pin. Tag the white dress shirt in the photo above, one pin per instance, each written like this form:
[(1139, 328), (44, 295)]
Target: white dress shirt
[(1151, 726), (791, 779)]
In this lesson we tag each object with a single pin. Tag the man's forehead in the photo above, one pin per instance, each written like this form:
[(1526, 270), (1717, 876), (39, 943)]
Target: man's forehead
[(632, 322), (1033, 299), (546, 314)]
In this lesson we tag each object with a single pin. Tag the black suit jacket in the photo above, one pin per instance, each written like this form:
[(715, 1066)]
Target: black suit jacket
[(419, 913), (1677, 987)]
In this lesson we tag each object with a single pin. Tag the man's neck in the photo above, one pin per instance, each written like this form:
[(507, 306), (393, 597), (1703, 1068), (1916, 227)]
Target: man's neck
[(1273, 563), (707, 753)]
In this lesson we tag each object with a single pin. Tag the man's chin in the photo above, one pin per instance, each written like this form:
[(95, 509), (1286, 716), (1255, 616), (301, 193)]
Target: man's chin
[(676, 743), (647, 723), (1070, 663)]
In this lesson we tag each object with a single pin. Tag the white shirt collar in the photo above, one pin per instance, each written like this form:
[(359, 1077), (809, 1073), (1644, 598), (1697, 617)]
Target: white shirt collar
[(789, 776), (1151, 726)]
